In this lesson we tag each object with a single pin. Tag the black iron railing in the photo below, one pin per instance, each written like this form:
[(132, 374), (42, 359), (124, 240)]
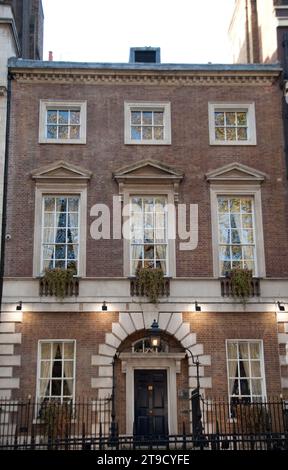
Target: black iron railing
[(86, 424)]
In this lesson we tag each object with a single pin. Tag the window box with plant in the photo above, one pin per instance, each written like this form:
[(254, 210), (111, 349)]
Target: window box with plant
[(240, 284), (59, 282), (151, 283)]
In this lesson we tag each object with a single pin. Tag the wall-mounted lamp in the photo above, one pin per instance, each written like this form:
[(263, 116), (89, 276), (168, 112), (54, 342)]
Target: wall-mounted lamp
[(197, 307), (281, 306), (104, 307), (19, 305), (155, 335)]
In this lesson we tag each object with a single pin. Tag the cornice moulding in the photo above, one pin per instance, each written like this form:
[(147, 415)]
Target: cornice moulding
[(108, 77)]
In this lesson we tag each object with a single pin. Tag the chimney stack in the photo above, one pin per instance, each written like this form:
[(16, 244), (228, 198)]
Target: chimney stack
[(50, 58)]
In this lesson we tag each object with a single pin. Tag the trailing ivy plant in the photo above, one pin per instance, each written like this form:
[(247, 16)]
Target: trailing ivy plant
[(150, 282), (58, 279), (241, 280)]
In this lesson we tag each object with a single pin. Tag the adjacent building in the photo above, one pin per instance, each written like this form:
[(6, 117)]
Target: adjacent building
[(86, 142)]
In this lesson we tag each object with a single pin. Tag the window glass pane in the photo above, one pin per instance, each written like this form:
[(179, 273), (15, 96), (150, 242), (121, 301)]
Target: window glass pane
[(219, 118), (235, 221), (147, 133), (158, 133), (56, 388), (63, 117), (161, 252), (247, 236), (68, 350), (57, 351), (148, 252), (244, 387), (230, 119), (135, 133), (45, 350), (72, 235), (73, 220), (243, 350), (241, 118), (224, 220), (72, 251), (224, 235), (57, 369), (256, 386), (45, 369), (136, 117), (49, 203), (230, 133), (48, 235), (234, 205), (136, 204), (68, 369), (158, 118), (48, 252), (244, 369), (255, 350), (247, 221), (236, 253), (225, 267), (52, 116), (160, 236), (75, 117), (161, 264), (255, 369), (225, 253), (51, 132), (248, 252), (74, 132), (149, 236), (61, 204), (235, 236), (246, 206), (67, 387), (220, 133), (63, 132), (137, 252), (223, 204), (242, 133), (60, 251), (233, 368), (147, 117)]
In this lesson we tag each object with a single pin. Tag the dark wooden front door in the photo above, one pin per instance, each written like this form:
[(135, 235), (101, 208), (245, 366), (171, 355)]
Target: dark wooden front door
[(150, 392)]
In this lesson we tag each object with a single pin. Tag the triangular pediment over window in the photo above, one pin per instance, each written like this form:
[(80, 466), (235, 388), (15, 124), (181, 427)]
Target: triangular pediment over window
[(147, 171), (236, 172), (61, 170)]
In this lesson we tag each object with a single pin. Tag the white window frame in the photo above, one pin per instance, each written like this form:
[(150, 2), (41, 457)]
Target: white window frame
[(240, 244), (54, 243), (45, 105), (251, 122), (254, 192), (166, 243), (262, 362), (147, 106), (65, 190), (156, 190), (41, 341)]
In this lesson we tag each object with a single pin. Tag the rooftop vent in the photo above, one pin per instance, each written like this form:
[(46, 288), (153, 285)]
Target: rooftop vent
[(144, 55)]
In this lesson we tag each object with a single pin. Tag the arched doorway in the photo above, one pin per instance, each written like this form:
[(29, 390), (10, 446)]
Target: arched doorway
[(151, 383)]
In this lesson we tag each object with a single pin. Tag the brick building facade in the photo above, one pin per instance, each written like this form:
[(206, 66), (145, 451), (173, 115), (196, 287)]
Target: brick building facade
[(209, 136)]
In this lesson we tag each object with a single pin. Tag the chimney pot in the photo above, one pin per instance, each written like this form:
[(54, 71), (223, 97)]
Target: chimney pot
[(50, 58)]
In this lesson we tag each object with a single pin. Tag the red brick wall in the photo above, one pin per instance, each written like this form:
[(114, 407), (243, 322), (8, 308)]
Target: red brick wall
[(105, 152), (88, 329)]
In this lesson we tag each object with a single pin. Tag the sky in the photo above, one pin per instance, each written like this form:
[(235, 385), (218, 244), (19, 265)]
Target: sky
[(187, 31)]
